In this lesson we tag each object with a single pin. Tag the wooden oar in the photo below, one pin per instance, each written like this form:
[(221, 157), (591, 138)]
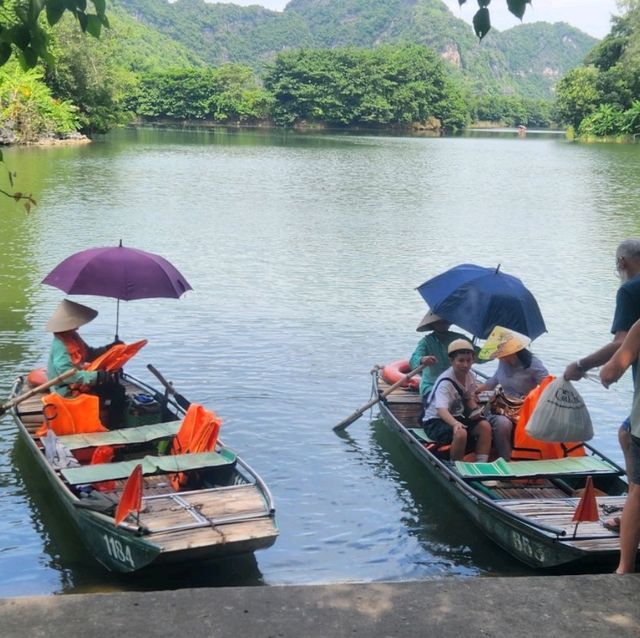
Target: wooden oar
[(180, 400), (44, 386), (358, 413)]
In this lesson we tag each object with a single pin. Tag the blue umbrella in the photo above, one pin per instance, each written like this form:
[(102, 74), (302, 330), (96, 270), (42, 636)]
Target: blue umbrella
[(478, 299)]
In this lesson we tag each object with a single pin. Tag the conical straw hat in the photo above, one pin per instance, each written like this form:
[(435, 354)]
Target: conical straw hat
[(70, 315), (502, 342)]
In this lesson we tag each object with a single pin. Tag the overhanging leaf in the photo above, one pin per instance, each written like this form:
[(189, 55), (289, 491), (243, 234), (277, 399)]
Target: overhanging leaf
[(461, 2), (482, 22), (5, 54), (35, 7), (484, 3), (517, 7), (28, 58), (101, 6), (55, 9), (94, 25)]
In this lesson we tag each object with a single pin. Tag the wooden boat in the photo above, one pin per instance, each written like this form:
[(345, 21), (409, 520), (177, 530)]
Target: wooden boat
[(230, 510), (526, 507)]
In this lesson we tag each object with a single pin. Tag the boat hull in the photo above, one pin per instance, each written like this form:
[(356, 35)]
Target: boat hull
[(130, 547), (533, 546)]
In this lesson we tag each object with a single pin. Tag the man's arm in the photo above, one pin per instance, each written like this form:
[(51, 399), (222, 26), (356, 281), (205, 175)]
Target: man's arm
[(576, 370), (624, 356)]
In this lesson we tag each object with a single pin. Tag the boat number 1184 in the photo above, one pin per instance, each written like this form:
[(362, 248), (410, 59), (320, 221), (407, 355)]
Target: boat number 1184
[(118, 551), (523, 545)]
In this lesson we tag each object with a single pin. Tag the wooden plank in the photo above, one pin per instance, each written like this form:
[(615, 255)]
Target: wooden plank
[(210, 536), (166, 512)]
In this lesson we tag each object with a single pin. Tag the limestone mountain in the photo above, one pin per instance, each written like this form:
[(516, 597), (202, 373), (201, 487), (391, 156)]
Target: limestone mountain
[(527, 59)]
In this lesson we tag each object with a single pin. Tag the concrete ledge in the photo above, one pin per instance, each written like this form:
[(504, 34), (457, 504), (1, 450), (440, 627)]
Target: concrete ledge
[(584, 606)]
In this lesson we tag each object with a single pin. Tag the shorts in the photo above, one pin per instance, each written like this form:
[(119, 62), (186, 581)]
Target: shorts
[(634, 470), (442, 433)]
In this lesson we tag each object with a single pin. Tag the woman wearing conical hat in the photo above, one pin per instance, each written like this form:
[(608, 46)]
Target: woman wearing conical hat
[(69, 350), (518, 373)]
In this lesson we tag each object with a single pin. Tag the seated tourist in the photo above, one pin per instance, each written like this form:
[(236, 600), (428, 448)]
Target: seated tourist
[(449, 411), (518, 373)]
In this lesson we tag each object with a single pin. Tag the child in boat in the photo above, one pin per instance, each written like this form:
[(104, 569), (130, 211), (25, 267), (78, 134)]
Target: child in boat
[(453, 396)]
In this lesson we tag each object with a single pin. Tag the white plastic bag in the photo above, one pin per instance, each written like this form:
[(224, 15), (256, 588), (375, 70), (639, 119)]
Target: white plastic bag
[(560, 415)]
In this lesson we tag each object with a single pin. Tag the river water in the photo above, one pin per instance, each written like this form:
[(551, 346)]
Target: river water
[(303, 251)]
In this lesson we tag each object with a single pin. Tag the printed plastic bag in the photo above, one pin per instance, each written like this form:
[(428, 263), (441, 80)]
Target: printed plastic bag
[(560, 415)]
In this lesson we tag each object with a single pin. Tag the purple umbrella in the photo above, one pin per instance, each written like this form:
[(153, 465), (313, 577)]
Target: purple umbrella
[(118, 272)]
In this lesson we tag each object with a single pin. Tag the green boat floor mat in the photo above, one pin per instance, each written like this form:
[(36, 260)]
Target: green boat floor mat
[(150, 465), (519, 469), (421, 435), (140, 434)]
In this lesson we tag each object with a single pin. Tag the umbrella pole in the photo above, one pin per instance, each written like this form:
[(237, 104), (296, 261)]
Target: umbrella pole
[(117, 318)]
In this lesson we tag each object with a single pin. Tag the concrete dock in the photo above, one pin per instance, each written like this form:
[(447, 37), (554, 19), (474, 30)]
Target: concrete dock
[(582, 606)]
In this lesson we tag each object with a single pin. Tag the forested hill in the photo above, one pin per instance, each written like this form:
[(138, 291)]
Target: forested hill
[(527, 59)]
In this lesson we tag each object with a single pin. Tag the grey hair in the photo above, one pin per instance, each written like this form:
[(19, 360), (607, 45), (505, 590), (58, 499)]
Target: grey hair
[(629, 249)]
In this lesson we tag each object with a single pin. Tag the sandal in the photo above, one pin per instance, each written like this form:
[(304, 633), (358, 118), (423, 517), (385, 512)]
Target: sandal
[(612, 524)]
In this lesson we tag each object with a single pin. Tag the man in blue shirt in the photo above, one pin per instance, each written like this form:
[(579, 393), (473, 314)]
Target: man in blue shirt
[(627, 312)]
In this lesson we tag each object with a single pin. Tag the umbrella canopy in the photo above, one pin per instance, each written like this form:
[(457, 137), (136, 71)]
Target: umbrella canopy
[(478, 299), (118, 272)]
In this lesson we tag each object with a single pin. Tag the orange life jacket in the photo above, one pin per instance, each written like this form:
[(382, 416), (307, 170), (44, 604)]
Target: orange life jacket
[(525, 446), (116, 356), (75, 346), (103, 454), (73, 415), (198, 433)]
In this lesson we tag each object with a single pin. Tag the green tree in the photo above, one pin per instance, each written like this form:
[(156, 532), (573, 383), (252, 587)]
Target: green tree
[(577, 95), (88, 73), (385, 86), (28, 108)]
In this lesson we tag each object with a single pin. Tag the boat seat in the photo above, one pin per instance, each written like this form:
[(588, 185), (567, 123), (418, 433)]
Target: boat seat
[(573, 465), (169, 464), (124, 436), (429, 443)]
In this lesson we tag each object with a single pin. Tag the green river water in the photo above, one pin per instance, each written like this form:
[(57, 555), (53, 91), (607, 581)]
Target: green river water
[(303, 251)]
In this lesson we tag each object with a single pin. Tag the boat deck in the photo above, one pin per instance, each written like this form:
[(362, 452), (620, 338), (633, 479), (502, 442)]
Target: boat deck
[(203, 518), (590, 536), (207, 522)]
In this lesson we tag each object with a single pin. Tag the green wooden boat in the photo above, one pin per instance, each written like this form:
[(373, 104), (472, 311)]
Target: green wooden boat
[(526, 507), (230, 511)]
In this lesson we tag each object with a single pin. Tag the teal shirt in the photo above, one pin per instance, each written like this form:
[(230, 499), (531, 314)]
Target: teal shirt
[(437, 346), (60, 362)]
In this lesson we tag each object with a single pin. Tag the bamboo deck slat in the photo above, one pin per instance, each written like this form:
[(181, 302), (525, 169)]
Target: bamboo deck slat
[(559, 512)]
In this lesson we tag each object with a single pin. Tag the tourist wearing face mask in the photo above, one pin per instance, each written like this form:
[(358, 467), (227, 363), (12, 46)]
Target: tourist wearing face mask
[(627, 312)]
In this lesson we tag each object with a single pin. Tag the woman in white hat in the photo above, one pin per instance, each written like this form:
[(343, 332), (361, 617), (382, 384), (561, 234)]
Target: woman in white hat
[(518, 373), (69, 350)]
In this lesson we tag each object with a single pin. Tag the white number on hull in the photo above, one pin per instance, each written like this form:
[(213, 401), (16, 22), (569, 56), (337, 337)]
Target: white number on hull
[(523, 545), (118, 551)]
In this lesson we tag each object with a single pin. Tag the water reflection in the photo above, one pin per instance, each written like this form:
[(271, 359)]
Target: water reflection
[(451, 544)]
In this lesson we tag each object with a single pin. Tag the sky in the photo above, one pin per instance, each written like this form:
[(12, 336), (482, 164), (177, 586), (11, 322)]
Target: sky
[(591, 16)]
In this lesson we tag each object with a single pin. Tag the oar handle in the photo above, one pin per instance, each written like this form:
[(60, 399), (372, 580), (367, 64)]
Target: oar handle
[(181, 401), (358, 413), (40, 388)]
